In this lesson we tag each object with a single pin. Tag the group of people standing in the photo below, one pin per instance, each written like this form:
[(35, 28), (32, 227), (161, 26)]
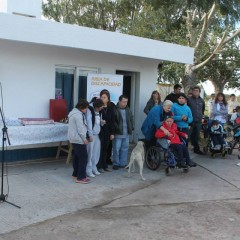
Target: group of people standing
[(186, 111), (220, 109), (100, 128), (92, 128)]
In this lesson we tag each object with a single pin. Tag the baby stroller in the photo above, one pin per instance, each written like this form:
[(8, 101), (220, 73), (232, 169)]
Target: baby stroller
[(221, 148), (234, 143), (161, 153)]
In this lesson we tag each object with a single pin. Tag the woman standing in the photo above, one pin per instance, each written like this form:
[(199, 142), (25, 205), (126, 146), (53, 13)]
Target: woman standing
[(107, 130), (154, 120), (220, 108), (182, 113), (154, 100), (77, 135)]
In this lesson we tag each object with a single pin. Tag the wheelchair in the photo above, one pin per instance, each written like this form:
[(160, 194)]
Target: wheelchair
[(160, 154), (208, 146)]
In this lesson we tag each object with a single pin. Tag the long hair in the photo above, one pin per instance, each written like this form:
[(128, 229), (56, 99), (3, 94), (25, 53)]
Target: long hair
[(224, 98), (105, 91), (159, 96)]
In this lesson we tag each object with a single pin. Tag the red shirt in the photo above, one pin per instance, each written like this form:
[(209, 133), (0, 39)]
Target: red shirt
[(174, 139)]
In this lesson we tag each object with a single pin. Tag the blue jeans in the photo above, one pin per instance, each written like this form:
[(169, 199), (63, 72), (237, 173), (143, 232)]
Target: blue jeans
[(120, 151)]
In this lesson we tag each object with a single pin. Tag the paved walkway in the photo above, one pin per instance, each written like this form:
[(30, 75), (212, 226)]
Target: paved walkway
[(44, 190)]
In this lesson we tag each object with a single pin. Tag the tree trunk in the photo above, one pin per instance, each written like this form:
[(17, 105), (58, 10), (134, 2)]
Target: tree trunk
[(189, 79), (219, 84)]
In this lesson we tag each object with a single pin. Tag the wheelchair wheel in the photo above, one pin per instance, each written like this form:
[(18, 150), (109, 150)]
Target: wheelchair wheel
[(153, 158)]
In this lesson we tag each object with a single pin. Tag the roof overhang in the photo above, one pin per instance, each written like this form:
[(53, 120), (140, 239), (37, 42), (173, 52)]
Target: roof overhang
[(30, 30)]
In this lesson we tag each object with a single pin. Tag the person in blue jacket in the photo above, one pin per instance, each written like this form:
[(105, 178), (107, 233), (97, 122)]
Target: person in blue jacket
[(182, 113), (154, 120)]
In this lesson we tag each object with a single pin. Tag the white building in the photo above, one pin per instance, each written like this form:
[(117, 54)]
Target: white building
[(33, 52)]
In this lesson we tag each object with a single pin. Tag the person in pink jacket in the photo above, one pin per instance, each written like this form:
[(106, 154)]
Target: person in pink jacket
[(173, 136)]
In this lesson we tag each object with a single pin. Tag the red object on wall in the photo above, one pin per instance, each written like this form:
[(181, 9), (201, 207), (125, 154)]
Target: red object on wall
[(58, 109)]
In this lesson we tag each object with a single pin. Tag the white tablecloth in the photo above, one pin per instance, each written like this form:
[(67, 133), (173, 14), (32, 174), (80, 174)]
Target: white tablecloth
[(37, 134)]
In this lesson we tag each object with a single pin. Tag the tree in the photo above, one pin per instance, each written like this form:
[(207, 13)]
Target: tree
[(224, 70), (109, 15), (203, 53), (205, 25)]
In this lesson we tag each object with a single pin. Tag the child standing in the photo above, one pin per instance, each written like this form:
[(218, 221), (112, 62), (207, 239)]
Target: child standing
[(77, 135), (94, 127)]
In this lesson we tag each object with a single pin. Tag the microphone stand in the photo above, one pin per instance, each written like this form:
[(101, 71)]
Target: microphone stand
[(4, 138)]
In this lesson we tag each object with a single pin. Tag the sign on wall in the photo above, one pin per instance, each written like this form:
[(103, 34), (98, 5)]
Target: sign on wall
[(97, 82)]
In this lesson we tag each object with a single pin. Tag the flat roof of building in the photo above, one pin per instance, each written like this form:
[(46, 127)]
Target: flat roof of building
[(37, 31)]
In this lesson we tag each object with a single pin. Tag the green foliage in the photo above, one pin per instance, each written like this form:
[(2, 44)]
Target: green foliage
[(163, 20)]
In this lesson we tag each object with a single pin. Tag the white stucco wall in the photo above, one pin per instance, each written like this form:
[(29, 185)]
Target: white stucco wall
[(27, 75)]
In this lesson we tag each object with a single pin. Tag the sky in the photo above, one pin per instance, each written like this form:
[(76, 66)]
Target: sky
[(208, 87)]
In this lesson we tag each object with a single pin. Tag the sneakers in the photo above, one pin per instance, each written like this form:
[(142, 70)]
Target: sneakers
[(101, 170), (83, 181), (91, 175), (191, 164), (96, 172), (115, 167), (74, 177)]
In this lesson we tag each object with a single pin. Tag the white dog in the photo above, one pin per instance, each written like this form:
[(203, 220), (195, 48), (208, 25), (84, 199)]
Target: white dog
[(137, 155)]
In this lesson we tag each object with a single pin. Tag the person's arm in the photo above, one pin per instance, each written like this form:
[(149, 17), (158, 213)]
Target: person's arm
[(160, 134), (189, 116), (89, 122), (203, 108), (147, 108), (215, 111), (79, 119), (176, 117), (112, 121)]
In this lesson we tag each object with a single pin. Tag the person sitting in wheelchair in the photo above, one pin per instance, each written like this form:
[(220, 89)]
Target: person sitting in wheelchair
[(173, 136), (217, 135)]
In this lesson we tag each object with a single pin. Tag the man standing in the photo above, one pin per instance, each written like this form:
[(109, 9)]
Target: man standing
[(197, 106), (123, 128), (173, 95), (210, 105)]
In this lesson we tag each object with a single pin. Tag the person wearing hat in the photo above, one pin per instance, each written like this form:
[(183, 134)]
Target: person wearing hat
[(173, 137), (182, 113), (173, 95)]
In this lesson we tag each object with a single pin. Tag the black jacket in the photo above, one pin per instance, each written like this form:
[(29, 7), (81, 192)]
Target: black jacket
[(118, 123)]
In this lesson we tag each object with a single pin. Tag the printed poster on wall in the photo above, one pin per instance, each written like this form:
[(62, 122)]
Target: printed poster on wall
[(97, 82)]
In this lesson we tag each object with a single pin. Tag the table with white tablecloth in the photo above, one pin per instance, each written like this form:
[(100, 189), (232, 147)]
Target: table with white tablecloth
[(24, 136)]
